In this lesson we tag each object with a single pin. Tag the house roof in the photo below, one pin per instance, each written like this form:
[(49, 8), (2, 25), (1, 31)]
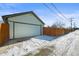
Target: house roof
[(5, 17)]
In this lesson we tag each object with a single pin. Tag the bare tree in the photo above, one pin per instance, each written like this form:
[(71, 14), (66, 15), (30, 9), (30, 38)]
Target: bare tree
[(58, 25)]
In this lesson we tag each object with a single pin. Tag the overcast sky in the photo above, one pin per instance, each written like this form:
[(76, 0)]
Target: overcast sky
[(49, 17)]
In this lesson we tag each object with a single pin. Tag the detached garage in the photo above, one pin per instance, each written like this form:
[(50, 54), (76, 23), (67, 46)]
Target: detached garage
[(24, 24)]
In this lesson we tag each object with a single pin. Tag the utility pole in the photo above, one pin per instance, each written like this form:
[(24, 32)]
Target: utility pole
[(71, 20), (74, 26)]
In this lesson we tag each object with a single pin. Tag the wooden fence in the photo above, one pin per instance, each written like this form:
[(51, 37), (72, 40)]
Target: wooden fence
[(4, 33), (55, 31)]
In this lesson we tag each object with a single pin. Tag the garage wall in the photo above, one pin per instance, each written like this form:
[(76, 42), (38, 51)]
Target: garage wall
[(26, 18), (11, 30), (25, 30)]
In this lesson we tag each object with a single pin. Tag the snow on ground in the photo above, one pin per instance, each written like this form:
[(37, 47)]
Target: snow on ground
[(67, 45), (26, 47)]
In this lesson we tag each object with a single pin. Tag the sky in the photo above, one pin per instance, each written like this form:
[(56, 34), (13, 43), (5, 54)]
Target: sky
[(70, 10)]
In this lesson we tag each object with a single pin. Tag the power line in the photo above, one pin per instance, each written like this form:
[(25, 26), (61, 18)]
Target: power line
[(59, 11), (62, 14), (51, 10), (65, 18)]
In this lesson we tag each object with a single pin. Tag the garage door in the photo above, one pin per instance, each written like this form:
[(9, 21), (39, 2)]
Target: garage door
[(19, 30)]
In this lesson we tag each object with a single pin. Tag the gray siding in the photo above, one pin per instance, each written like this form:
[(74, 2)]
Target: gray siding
[(27, 18), (25, 30)]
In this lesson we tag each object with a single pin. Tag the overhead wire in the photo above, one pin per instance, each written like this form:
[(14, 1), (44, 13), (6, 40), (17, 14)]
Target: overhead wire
[(52, 10), (59, 11)]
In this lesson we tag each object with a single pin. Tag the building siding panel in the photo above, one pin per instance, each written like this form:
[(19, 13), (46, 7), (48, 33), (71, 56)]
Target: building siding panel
[(25, 30), (24, 26), (26, 18)]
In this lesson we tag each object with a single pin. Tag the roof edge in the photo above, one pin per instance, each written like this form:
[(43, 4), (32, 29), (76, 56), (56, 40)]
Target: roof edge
[(5, 17)]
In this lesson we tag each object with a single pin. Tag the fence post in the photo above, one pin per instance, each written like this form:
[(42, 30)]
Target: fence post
[(4, 33)]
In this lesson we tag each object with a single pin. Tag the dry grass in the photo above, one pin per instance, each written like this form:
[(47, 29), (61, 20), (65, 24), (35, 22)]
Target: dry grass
[(42, 51)]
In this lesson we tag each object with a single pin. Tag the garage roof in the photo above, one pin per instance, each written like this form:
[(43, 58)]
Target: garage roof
[(5, 17)]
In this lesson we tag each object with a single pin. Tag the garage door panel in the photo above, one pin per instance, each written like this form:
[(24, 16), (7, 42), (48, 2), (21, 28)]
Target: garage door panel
[(24, 30)]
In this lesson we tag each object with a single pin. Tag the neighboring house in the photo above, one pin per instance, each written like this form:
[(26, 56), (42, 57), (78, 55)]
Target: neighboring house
[(24, 24)]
